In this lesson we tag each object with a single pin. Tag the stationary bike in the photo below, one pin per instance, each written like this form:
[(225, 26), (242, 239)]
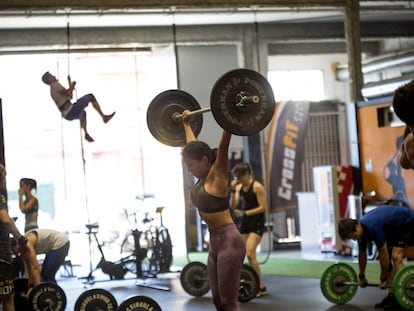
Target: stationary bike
[(145, 252), (153, 244), (116, 270)]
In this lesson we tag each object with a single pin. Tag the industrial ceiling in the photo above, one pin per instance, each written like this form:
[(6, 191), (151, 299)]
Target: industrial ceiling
[(21, 14)]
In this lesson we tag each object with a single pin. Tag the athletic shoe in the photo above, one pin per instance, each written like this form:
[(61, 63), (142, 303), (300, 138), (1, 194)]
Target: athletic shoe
[(262, 292), (388, 300), (393, 304)]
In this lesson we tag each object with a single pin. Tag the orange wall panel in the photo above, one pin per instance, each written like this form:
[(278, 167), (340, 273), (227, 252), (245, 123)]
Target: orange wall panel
[(380, 169)]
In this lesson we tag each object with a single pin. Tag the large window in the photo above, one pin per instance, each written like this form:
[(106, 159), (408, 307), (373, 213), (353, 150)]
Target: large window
[(81, 182), (297, 84)]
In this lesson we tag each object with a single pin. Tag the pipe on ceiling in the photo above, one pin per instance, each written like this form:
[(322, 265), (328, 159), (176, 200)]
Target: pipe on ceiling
[(342, 71)]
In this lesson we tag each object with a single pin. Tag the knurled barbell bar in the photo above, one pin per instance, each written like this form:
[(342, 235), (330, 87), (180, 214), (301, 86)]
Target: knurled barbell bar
[(241, 101), (339, 284), (344, 283)]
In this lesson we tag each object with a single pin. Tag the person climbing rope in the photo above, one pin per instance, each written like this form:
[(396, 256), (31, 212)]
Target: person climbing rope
[(72, 111)]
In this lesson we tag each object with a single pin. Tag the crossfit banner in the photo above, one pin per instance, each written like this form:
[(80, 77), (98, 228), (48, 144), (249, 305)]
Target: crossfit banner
[(285, 154)]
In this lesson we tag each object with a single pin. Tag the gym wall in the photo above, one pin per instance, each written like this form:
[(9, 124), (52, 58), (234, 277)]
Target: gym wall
[(378, 145)]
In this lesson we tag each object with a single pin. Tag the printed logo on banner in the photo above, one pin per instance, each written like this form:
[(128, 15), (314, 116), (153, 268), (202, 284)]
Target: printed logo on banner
[(285, 154)]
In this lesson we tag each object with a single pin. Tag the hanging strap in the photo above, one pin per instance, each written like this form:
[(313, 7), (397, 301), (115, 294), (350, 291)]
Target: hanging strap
[(177, 67), (68, 43)]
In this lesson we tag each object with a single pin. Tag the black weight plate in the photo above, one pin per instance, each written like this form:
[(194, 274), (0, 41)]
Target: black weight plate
[(139, 303), (249, 284), (47, 296), (21, 285), (96, 299), (331, 281), (161, 123), (194, 279), (403, 285), (247, 119)]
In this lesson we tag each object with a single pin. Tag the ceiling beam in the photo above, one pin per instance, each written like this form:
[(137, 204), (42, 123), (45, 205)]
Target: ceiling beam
[(153, 4)]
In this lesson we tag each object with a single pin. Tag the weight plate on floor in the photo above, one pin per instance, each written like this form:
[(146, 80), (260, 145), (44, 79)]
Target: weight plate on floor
[(96, 299), (194, 279), (139, 303), (249, 284), (21, 285), (403, 285), (47, 296), (242, 102), (332, 279)]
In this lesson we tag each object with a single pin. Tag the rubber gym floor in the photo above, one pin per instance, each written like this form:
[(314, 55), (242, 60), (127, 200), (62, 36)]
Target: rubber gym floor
[(284, 293)]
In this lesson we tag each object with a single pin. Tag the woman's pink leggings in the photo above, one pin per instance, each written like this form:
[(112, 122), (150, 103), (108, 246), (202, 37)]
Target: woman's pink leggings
[(225, 261)]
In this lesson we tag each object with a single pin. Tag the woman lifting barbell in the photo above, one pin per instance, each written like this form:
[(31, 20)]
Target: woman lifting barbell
[(210, 196)]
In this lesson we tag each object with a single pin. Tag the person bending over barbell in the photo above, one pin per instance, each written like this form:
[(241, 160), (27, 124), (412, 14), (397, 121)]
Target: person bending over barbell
[(54, 244), (391, 228)]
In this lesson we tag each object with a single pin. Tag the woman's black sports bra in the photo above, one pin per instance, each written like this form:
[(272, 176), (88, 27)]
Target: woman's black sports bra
[(34, 209), (205, 202)]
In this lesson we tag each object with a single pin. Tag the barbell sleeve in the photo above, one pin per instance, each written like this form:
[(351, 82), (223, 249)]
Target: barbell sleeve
[(178, 116), (244, 100)]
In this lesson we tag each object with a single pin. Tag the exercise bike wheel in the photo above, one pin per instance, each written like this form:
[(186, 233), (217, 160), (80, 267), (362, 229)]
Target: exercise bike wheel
[(161, 257)]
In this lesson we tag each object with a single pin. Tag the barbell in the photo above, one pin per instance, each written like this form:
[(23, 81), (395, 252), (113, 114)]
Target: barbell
[(194, 280), (241, 101), (339, 284), (45, 296)]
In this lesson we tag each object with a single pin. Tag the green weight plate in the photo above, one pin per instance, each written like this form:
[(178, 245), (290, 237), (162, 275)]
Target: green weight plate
[(403, 286), (331, 280)]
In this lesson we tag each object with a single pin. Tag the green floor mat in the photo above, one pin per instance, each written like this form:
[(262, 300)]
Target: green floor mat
[(293, 267)]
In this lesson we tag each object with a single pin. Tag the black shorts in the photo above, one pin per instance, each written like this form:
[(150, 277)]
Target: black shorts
[(405, 237), (6, 279), (253, 224)]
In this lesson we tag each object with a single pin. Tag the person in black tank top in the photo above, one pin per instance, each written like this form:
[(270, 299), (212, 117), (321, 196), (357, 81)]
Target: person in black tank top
[(211, 196), (248, 202)]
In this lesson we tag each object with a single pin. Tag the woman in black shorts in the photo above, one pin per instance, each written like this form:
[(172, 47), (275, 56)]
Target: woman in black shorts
[(250, 195)]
